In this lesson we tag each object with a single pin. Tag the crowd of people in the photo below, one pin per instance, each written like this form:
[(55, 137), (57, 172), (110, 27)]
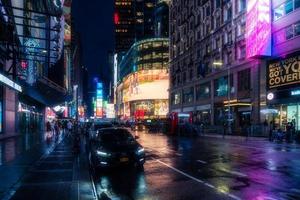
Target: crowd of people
[(56, 127)]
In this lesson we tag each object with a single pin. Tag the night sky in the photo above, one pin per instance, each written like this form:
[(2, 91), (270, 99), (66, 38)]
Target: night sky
[(93, 19)]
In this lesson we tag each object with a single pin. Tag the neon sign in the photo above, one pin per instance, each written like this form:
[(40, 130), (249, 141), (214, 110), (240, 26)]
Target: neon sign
[(258, 28), (30, 49), (10, 83), (295, 92)]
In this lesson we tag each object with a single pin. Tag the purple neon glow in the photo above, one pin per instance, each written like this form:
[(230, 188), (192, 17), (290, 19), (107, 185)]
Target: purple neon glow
[(258, 28)]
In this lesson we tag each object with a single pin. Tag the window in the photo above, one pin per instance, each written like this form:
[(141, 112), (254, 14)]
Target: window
[(203, 91), (188, 95), (288, 6), (278, 12), (244, 80), (242, 52), (207, 48), (221, 86), (297, 29), (242, 5), (208, 11), (297, 4), (176, 98), (184, 77), (217, 3), (191, 74), (279, 37), (218, 43), (289, 33), (229, 37), (227, 14), (218, 22)]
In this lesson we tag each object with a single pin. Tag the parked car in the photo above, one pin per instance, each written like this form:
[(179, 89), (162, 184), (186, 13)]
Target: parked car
[(114, 147)]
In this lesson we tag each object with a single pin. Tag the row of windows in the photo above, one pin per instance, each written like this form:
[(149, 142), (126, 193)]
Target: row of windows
[(203, 91), (207, 11), (287, 33), (286, 8), (121, 30), (118, 3)]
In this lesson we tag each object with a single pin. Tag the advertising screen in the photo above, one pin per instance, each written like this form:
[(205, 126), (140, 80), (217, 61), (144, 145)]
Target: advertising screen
[(284, 72), (258, 28), (146, 85)]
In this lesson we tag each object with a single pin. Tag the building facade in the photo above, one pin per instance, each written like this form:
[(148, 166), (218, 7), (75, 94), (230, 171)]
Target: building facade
[(142, 90), (282, 70), (32, 64), (212, 74)]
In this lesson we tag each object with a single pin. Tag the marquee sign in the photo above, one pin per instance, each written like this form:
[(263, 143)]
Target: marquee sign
[(258, 28), (284, 72)]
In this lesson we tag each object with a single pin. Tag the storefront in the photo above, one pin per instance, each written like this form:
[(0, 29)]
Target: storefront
[(283, 96), (30, 118)]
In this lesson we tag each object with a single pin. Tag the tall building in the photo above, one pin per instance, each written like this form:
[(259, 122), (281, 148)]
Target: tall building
[(32, 64), (142, 91), (134, 20), (282, 91), (220, 52), (124, 20)]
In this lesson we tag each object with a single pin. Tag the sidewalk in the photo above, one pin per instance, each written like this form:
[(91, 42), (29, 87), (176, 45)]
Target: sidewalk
[(47, 171), (235, 137), (17, 154)]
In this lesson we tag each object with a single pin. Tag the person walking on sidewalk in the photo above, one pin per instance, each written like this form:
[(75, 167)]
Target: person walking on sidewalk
[(69, 127)]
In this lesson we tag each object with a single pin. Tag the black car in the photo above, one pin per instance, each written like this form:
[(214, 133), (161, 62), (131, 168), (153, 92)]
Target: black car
[(113, 147)]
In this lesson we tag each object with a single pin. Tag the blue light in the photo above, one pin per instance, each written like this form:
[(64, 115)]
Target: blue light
[(99, 85)]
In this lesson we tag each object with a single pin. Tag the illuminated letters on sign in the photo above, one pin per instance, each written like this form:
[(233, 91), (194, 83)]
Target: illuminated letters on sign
[(284, 72), (258, 28)]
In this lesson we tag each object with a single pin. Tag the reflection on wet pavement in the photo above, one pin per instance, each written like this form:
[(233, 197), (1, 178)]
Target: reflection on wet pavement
[(207, 168), (12, 147)]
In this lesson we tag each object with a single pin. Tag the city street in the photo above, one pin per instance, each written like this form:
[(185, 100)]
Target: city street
[(207, 168), (176, 168)]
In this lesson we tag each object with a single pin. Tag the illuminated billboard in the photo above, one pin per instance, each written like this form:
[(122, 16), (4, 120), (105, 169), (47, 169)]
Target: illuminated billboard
[(110, 111), (258, 28), (146, 84), (284, 72), (99, 100)]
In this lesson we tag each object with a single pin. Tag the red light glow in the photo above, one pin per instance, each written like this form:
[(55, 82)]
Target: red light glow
[(116, 18)]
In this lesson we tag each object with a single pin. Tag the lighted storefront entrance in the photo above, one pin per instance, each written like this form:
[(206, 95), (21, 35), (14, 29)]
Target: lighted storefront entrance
[(283, 114)]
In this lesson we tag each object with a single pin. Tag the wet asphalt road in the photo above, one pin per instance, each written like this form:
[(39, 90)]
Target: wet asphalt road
[(207, 168)]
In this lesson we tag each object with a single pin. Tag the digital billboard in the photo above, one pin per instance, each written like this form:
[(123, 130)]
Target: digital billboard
[(258, 28), (146, 84), (99, 100), (284, 72)]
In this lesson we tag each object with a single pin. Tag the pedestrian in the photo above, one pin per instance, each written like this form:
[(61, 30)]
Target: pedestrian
[(56, 127), (288, 132), (69, 127), (265, 125), (52, 127), (271, 129)]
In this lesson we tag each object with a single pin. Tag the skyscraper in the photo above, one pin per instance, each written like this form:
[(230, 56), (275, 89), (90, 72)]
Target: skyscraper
[(134, 21)]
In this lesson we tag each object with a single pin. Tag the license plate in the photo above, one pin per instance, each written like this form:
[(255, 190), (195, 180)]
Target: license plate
[(124, 159)]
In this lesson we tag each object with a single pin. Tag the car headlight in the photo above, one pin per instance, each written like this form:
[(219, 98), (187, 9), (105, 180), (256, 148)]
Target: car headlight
[(103, 153), (140, 150)]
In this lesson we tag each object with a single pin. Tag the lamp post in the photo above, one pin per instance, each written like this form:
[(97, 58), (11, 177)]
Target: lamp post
[(75, 87), (219, 63)]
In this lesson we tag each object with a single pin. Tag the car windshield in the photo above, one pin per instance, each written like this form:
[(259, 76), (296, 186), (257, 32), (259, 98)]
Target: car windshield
[(115, 136), (99, 126)]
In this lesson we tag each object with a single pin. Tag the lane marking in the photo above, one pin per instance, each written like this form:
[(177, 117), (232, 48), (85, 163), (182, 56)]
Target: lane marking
[(201, 161), (197, 180)]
